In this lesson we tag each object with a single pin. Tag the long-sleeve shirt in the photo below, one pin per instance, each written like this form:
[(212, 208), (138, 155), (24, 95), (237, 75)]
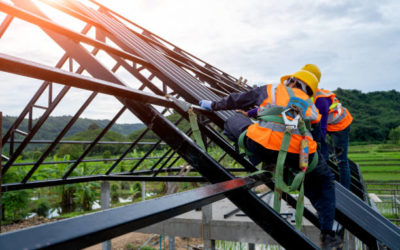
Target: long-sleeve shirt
[(242, 100), (323, 105)]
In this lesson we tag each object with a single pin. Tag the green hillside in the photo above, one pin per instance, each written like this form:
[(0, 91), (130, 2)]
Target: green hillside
[(53, 126)]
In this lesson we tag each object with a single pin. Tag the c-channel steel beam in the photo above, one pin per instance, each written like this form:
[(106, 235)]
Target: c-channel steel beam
[(117, 177), (142, 175), (87, 230), (88, 142), (90, 160), (364, 222)]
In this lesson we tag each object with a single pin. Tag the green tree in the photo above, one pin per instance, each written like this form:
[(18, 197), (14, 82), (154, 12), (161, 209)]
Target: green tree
[(73, 150), (106, 155), (93, 126), (394, 135)]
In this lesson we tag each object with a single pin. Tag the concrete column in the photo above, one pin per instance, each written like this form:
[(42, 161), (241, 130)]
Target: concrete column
[(351, 241), (209, 244), (143, 190), (105, 204), (171, 242)]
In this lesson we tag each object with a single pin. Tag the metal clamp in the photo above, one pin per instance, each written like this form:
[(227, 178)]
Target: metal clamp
[(290, 124), (185, 106)]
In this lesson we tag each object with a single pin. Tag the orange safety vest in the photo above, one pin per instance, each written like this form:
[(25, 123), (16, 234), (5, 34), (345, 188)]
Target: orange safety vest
[(270, 134), (339, 117)]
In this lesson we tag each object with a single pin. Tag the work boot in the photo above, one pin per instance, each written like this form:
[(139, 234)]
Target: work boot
[(330, 241)]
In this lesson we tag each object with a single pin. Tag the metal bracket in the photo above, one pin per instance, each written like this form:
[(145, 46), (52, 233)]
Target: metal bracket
[(290, 124), (185, 106)]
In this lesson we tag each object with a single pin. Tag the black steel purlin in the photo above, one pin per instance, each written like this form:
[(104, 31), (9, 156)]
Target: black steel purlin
[(86, 230)]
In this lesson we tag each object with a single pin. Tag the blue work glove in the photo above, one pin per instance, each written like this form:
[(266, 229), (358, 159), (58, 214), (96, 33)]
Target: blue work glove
[(206, 104)]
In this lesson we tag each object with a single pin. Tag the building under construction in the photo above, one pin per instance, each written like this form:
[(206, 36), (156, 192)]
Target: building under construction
[(163, 79)]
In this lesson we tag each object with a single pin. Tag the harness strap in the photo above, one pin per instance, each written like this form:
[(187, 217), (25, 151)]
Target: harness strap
[(195, 129), (241, 143), (298, 181)]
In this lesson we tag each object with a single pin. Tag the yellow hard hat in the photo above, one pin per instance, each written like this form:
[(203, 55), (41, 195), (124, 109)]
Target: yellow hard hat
[(313, 69), (305, 76)]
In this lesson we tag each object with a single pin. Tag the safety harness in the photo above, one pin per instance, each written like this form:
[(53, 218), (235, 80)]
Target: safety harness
[(278, 114)]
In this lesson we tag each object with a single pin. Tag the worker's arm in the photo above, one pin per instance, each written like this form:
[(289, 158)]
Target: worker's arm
[(322, 105), (242, 100)]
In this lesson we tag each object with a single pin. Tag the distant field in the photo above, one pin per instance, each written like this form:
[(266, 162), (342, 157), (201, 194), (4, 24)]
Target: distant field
[(377, 161)]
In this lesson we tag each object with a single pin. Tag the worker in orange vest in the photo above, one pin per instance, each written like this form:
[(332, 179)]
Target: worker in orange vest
[(263, 139), (335, 121)]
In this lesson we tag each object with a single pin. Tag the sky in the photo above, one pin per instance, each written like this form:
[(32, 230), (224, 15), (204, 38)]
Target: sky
[(355, 43)]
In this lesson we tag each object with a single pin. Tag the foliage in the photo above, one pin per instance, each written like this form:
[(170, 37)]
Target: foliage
[(374, 113), (42, 207), (106, 155), (125, 185), (93, 126), (90, 135), (394, 135), (150, 136), (15, 203), (73, 150), (85, 194), (115, 190)]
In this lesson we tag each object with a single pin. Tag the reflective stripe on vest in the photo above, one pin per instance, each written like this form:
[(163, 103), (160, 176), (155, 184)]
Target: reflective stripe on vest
[(270, 134), (339, 117), (280, 128)]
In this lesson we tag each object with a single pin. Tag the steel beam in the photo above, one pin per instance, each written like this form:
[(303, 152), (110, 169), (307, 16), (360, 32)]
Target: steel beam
[(46, 24), (55, 182), (4, 25), (86, 230), (364, 222)]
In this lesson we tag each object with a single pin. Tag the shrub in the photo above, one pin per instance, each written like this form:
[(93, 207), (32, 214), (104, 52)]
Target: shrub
[(42, 207), (106, 155), (394, 135)]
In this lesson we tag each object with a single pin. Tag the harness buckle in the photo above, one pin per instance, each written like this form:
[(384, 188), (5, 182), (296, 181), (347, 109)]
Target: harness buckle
[(291, 124)]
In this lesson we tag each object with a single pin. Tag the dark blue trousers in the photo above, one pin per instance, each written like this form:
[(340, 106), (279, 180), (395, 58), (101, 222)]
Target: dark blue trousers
[(340, 142), (318, 185)]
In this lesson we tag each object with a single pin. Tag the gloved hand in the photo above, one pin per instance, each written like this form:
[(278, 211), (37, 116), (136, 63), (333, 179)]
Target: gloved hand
[(206, 104)]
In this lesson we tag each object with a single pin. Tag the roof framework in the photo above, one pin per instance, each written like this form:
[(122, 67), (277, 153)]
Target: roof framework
[(159, 79)]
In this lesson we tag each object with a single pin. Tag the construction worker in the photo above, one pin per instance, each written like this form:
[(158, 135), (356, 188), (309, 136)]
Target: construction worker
[(335, 121), (263, 139)]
